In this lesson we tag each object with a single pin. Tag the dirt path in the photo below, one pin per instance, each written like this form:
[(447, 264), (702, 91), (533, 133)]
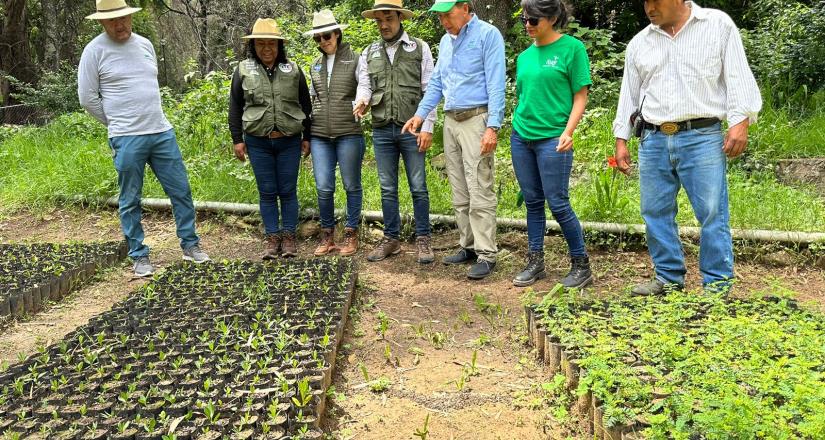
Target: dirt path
[(414, 330)]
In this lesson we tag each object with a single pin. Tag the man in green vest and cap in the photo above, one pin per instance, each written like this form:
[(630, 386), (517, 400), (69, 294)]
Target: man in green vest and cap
[(399, 67)]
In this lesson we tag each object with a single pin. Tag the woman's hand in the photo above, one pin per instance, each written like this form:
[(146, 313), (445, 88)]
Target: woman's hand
[(565, 142), (240, 151)]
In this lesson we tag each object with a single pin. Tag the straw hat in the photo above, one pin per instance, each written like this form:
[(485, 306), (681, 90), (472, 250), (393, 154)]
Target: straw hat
[(107, 9), (388, 5), (324, 21), (265, 29)]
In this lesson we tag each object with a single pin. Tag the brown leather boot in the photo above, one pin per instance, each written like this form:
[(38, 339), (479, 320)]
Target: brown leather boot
[(289, 245), (388, 246), (350, 242), (327, 243), (273, 247)]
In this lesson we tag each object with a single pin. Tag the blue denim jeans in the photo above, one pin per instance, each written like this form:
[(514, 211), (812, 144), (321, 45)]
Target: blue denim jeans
[(694, 160), (347, 152), (161, 152), (389, 145), (275, 163), (544, 174)]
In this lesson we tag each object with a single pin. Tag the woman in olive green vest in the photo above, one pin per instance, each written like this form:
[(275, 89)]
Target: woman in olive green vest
[(337, 137), (269, 105)]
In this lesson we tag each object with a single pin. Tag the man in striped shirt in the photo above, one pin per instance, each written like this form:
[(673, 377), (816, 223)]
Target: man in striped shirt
[(686, 71)]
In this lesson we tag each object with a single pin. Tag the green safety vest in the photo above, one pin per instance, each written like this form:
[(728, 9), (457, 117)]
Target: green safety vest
[(271, 104), (396, 86), (332, 106)]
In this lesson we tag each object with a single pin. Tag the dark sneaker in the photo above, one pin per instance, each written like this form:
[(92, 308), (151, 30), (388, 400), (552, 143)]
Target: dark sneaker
[(327, 243), (481, 269), (579, 275), (425, 250), (273, 247), (654, 287), (289, 245), (533, 272), (388, 246), (195, 255), (143, 267), (462, 256), (350, 246)]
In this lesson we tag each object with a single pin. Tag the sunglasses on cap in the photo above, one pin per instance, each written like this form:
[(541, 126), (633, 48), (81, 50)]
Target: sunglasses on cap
[(325, 36), (532, 20)]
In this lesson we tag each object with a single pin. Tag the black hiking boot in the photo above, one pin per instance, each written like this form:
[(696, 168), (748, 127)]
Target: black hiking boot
[(533, 272), (579, 275)]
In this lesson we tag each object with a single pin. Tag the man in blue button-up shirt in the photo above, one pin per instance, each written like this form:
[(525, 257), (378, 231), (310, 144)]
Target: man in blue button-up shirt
[(469, 75)]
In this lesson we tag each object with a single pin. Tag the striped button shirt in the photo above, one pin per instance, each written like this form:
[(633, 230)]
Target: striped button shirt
[(701, 72)]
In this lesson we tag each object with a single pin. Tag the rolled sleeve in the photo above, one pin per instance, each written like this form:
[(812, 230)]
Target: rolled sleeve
[(628, 97), (744, 98)]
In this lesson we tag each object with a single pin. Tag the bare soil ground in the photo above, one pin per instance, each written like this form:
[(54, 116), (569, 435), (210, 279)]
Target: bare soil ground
[(434, 322)]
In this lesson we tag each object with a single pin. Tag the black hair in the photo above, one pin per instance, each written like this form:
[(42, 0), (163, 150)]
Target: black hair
[(549, 9), (280, 59)]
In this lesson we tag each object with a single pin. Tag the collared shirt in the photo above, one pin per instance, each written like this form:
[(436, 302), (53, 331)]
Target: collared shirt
[(426, 70), (362, 92), (470, 72), (701, 72)]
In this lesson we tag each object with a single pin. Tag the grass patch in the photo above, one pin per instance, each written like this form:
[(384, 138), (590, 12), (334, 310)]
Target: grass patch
[(71, 157)]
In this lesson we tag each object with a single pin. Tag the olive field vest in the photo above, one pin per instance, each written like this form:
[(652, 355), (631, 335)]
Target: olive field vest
[(332, 105), (271, 104), (396, 86)]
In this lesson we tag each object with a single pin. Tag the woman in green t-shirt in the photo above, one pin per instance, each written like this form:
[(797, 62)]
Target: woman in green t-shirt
[(552, 79)]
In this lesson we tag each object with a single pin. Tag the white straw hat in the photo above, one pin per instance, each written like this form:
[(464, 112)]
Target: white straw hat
[(324, 21), (107, 9)]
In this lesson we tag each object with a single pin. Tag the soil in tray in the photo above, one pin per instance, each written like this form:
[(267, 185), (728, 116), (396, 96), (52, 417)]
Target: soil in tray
[(252, 355)]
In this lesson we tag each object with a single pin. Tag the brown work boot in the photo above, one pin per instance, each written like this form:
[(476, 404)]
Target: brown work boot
[(350, 242), (273, 247), (425, 251), (327, 243), (388, 246), (289, 245)]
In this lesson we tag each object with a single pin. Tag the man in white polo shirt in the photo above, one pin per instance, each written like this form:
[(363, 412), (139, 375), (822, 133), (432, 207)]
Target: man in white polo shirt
[(117, 84), (686, 72)]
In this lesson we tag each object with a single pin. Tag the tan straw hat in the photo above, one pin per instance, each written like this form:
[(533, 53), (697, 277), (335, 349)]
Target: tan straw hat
[(107, 9), (324, 21), (265, 29), (388, 5)]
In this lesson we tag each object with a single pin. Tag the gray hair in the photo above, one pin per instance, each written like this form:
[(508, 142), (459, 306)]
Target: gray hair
[(547, 9)]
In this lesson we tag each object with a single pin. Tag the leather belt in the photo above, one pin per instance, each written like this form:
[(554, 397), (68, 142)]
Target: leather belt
[(464, 114), (275, 135), (670, 128)]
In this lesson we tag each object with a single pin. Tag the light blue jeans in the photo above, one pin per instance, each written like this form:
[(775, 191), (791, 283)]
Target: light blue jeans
[(161, 152), (694, 160), (347, 153)]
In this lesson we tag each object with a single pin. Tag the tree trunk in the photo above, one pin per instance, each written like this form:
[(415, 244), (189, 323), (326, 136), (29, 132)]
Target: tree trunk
[(499, 13), (15, 57)]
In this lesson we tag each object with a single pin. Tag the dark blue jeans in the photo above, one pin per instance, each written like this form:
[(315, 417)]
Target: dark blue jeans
[(544, 174), (389, 145), (347, 152), (161, 152), (275, 163)]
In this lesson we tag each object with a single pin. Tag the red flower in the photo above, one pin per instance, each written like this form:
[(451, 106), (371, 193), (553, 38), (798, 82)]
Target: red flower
[(611, 161)]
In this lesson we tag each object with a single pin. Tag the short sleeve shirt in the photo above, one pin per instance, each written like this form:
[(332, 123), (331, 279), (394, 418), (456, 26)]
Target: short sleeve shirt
[(547, 77)]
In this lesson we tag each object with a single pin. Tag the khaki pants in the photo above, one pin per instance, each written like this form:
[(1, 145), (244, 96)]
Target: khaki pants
[(472, 180)]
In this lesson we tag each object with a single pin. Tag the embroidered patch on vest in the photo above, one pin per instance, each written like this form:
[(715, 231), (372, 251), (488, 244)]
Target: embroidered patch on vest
[(316, 67), (410, 46), (251, 66), (286, 68)]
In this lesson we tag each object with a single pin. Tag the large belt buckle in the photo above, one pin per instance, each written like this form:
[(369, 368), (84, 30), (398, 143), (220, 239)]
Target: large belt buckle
[(669, 128)]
